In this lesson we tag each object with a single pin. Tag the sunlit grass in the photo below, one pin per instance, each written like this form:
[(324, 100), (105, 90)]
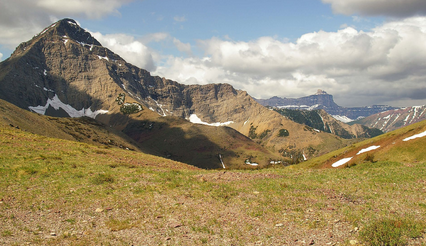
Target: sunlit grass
[(93, 194)]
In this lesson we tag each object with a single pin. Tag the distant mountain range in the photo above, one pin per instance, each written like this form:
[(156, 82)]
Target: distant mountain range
[(323, 100), (394, 119)]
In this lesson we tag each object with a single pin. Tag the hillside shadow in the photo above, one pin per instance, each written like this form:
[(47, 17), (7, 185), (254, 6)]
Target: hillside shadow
[(172, 142)]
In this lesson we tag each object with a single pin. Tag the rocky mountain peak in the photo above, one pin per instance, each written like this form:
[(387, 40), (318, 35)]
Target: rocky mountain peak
[(62, 30), (70, 28)]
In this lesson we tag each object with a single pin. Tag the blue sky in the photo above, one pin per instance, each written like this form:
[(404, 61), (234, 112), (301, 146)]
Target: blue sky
[(364, 52), (192, 20)]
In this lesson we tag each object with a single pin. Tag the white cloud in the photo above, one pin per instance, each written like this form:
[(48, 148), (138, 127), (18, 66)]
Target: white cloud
[(1, 56), (393, 8), (344, 63), (155, 37), (20, 20), (88, 8), (182, 47), (131, 50), (180, 18)]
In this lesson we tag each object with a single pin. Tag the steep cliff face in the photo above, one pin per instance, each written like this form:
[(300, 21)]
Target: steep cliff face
[(64, 71)]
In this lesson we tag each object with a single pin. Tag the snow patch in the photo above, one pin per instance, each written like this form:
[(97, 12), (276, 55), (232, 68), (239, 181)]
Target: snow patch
[(245, 122), (313, 107), (45, 72), (103, 57), (161, 107), (221, 161), (420, 135), (44, 88), (251, 163), (368, 149), (341, 162), (193, 118), (65, 41), (300, 107), (91, 47), (342, 118), (56, 103)]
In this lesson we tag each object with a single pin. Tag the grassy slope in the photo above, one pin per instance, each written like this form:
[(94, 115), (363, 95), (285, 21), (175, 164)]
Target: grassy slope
[(392, 148), (62, 192)]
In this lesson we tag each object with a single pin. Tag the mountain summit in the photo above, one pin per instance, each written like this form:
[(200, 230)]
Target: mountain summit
[(55, 70)]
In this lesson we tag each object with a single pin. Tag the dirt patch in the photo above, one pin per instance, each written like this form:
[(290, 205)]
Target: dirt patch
[(234, 176)]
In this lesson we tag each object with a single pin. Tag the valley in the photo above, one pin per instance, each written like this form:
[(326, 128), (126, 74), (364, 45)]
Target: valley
[(96, 151), (56, 191)]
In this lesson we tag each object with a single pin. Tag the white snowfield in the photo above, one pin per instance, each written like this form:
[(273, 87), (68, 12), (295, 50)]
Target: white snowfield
[(103, 57), (342, 118), (368, 149), (341, 162), (56, 103), (193, 118), (420, 135)]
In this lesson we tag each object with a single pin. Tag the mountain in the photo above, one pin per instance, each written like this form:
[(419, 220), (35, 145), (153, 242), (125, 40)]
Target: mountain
[(321, 120), (197, 145), (393, 119), (323, 100), (64, 71)]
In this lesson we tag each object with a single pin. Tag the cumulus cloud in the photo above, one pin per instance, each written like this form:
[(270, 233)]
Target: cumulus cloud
[(182, 47), (346, 63), (1, 56), (20, 20), (133, 51), (393, 8), (88, 8)]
